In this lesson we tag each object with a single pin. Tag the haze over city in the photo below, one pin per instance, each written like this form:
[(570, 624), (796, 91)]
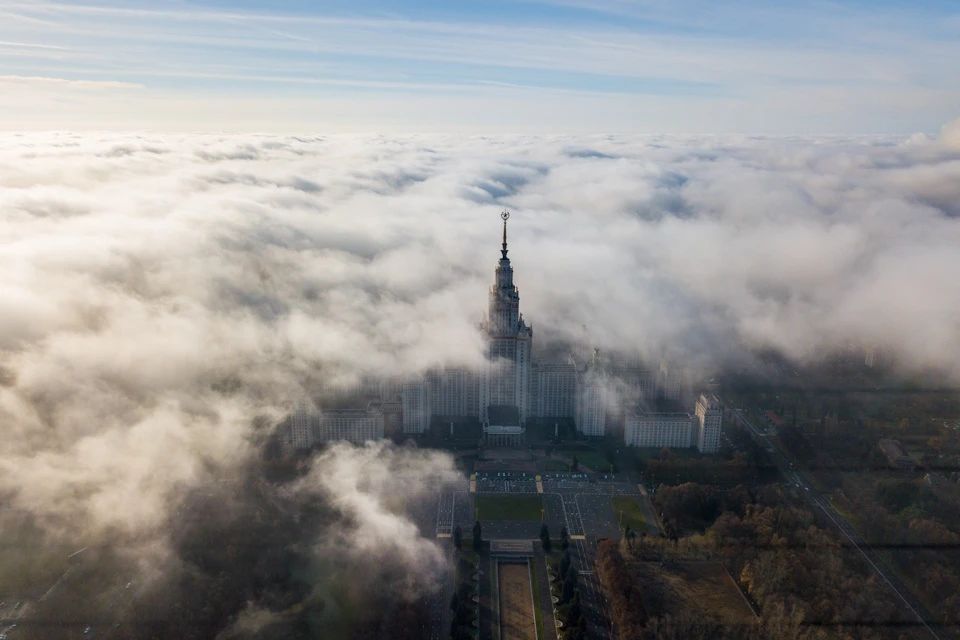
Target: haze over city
[(258, 339)]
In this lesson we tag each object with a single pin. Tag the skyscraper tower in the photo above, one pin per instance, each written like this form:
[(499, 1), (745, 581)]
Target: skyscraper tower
[(506, 378)]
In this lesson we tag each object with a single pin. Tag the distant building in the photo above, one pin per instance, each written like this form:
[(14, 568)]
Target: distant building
[(669, 381), (416, 407), (896, 457), (350, 425), (453, 392), (553, 390), (357, 423), (658, 430), (392, 418), (302, 426), (591, 400), (709, 421), (876, 357), (505, 379), (503, 428)]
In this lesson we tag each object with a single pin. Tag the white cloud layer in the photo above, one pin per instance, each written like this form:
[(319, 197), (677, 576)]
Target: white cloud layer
[(159, 291)]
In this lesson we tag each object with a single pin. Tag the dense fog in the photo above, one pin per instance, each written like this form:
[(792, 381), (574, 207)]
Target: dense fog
[(166, 297)]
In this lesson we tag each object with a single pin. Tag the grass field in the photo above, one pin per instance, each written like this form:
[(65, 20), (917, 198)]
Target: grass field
[(516, 609), (523, 508), (628, 513), (555, 465), (594, 459), (704, 587)]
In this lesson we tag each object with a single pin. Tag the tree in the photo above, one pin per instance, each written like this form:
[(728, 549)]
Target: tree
[(574, 611), (564, 539), (477, 536), (569, 586), (457, 537), (545, 537), (564, 565), (622, 590), (631, 536)]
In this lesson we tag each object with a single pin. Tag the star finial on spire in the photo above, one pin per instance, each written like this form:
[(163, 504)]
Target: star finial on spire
[(505, 215)]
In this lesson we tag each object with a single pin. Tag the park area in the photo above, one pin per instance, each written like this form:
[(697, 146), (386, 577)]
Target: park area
[(516, 605), (700, 589), (628, 514), (517, 508)]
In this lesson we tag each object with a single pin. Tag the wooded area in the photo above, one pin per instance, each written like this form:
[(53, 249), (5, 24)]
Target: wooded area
[(803, 582)]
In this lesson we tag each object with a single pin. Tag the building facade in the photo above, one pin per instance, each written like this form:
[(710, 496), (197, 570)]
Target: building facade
[(415, 402), (505, 378), (669, 381), (590, 402), (350, 425), (658, 430), (709, 421), (503, 427), (302, 427), (453, 392), (553, 392)]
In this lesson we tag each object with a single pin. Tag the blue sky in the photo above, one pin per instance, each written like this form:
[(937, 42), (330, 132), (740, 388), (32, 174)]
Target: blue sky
[(481, 66)]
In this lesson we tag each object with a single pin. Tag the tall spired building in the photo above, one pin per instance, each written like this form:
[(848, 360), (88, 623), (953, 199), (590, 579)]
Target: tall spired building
[(505, 381)]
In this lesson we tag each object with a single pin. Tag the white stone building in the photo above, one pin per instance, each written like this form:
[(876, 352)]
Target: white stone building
[(302, 426), (453, 392), (350, 425), (669, 381), (591, 401), (553, 392), (709, 420), (414, 397), (505, 379), (658, 430)]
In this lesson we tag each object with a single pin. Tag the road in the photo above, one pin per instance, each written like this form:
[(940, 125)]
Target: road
[(796, 476), (591, 598)]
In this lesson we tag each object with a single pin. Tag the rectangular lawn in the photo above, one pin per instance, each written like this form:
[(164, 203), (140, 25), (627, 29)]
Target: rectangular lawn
[(524, 508), (628, 513), (596, 460)]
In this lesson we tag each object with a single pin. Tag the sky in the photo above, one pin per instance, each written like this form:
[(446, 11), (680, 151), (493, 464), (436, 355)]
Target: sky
[(481, 66)]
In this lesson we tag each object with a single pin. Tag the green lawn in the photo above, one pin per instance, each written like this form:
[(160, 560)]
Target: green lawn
[(628, 513), (527, 508), (596, 460), (555, 465)]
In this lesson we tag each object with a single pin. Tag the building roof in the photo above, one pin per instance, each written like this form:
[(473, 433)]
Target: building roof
[(503, 415), (660, 415)]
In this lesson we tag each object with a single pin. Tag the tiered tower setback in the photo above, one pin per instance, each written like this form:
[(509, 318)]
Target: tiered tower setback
[(505, 380)]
